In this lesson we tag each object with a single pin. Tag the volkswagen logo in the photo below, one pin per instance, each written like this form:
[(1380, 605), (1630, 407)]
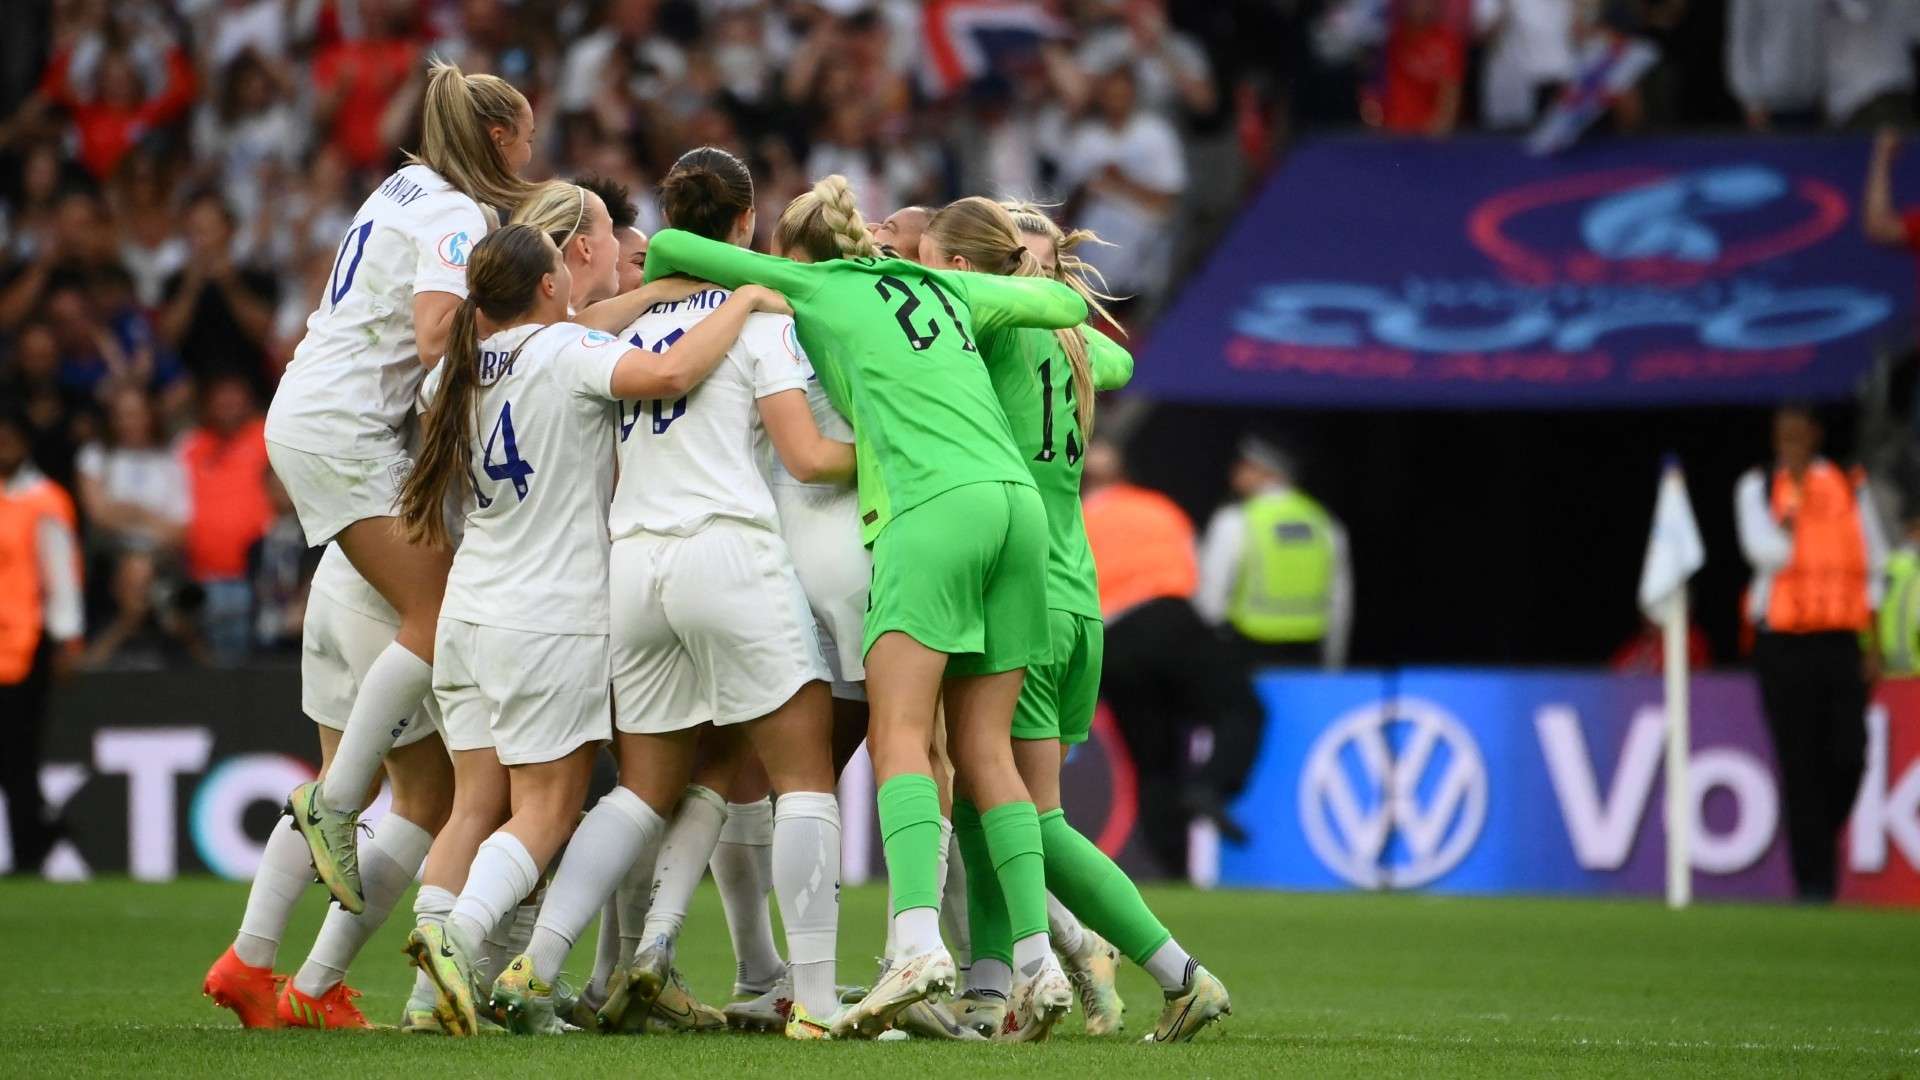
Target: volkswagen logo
[(1393, 794)]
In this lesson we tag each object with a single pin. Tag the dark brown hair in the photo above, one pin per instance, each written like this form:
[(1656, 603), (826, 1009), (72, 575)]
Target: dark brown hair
[(705, 192), (503, 279)]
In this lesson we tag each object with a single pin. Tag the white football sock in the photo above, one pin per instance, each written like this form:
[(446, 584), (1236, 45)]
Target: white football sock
[(633, 896), (430, 907), (1032, 952), (1064, 927), (1170, 966), (502, 875), (606, 952), (806, 878), (390, 693), (915, 931), (953, 901), (683, 860), (990, 976), (742, 866), (286, 869), (614, 835), (513, 935), (388, 863)]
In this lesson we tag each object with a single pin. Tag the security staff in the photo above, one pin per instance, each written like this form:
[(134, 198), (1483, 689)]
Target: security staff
[(1274, 566), (1900, 606), (1165, 676), (40, 625), (1817, 561)]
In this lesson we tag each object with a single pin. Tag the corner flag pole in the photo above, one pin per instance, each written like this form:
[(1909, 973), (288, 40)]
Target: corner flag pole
[(1679, 738), (1674, 553)]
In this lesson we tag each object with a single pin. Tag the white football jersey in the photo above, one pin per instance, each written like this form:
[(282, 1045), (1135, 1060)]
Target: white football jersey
[(685, 462), (825, 417), (534, 556), (351, 383)]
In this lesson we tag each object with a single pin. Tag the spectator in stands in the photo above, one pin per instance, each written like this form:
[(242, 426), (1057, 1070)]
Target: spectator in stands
[(1869, 62), (1274, 567), (30, 382), (249, 136), (1425, 66), (1126, 170), (1772, 67), (627, 43), (1816, 561), (1883, 222), (1165, 677), (147, 221), (1899, 629), (225, 461), (218, 315), (108, 102), (40, 596), (1529, 57), (357, 81), (1171, 72), (75, 242), (134, 495)]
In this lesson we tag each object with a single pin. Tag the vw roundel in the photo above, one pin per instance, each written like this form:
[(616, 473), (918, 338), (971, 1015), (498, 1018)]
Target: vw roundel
[(454, 248)]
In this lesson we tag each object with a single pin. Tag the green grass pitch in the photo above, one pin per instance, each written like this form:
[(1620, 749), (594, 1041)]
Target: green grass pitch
[(104, 979)]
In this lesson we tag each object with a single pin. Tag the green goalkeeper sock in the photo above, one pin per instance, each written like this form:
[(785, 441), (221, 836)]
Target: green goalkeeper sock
[(986, 905), (910, 833), (1096, 890), (1013, 840)]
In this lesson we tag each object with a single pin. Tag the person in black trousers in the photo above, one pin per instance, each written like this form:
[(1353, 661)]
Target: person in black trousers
[(1813, 542)]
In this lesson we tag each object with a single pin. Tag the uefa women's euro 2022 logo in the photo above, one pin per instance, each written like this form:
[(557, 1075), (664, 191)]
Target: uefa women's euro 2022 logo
[(1645, 273)]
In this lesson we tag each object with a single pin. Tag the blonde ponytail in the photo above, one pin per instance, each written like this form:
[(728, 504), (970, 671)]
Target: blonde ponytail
[(455, 140), (824, 224), (987, 235), (1069, 268)]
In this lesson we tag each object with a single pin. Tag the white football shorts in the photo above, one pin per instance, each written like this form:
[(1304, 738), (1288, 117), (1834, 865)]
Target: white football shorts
[(533, 697), (712, 628), (337, 645)]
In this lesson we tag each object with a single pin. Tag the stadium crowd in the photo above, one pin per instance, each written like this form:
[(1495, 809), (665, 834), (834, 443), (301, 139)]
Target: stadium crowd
[(175, 176)]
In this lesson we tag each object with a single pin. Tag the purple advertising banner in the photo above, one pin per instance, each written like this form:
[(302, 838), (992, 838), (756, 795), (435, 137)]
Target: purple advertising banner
[(1463, 781), (1417, 273)]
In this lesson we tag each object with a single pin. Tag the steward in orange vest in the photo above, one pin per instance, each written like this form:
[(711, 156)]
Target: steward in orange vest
[(1809, 532)]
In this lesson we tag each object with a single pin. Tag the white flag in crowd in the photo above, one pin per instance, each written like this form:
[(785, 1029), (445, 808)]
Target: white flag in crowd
[(1674, 550)]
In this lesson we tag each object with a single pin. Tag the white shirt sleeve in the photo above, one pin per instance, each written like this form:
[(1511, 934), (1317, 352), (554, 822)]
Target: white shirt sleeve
[(1876, 544), (91, 462), (585, 363), (442, 239), (1765, 544), (1159, 161), (774, 360), (1220, 562), (1333, 647), (59, 574)]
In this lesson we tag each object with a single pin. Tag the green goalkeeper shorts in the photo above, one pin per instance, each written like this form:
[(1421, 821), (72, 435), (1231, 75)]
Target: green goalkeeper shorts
[(965, 573), (1059, 696)]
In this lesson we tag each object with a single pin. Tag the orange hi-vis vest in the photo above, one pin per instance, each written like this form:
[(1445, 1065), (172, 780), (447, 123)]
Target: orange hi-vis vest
[(22, 605), (1142, 547), (1824, 584)]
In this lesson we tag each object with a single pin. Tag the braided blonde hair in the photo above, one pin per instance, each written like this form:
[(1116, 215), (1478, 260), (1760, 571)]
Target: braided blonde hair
[(987, 235), (824, 224)]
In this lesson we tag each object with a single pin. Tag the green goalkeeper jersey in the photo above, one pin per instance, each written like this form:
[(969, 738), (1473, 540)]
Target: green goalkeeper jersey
[(1034, 381), (894, 345)]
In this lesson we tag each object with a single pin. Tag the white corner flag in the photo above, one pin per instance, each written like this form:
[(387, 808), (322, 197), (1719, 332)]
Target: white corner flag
[(1674, 554)]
